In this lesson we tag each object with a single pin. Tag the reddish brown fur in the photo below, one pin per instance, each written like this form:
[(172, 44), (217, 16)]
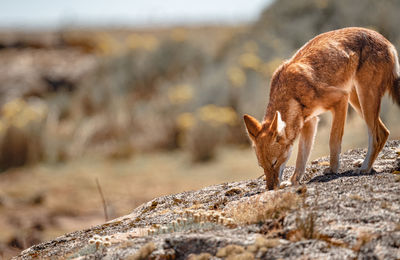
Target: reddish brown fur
[(353, 65)]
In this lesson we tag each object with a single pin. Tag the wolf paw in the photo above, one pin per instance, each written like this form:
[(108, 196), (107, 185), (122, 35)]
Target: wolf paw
[(328, 171), (363, 171), (285, 184)]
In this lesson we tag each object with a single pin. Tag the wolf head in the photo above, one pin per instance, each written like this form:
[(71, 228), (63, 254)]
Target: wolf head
[(271, 146)]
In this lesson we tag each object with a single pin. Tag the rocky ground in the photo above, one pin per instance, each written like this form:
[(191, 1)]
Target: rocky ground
[(339, 216)]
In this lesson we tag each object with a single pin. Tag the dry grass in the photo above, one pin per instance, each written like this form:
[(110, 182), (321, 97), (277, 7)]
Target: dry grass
[(363, 239), (144, 252), (237, 252), (230, 250), (61, 198), (264, 207), (21, 132), (305, 228), (202, 256), (202, 142), (356, 197)]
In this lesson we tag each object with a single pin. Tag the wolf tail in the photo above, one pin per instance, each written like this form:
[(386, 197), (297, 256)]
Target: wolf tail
[(394, 90)]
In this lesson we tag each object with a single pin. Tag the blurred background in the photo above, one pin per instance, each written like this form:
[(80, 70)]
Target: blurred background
[(145, 98)]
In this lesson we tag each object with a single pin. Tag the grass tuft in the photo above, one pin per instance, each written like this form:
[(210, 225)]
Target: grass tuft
[(143, 253), (261, 208)]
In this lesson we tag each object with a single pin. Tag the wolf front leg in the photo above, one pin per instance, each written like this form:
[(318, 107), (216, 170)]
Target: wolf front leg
[(306, 141), (371, 103), (339, 113)]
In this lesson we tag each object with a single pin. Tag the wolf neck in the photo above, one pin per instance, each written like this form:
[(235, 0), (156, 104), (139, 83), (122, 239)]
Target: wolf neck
[(290, 114)]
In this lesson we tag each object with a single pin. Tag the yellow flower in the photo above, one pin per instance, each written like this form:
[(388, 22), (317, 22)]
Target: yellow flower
[(19, 113), (185, 121), (19, 122), (150, 43), (3, 126), (249, 61), (133, 41), (179, 35), (321, 4), (217, 115), (227, 115), (106, 44), (251, 46), (145, 42), (236, 76), (180, 94), (267, 69), (13, 108)]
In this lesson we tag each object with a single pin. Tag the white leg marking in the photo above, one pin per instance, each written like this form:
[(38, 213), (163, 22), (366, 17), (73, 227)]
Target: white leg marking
[(281, 168), (396, 67), (364, 166)]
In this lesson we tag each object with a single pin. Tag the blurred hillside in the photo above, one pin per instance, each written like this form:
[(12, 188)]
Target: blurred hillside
[(113, 94), (108, 92)]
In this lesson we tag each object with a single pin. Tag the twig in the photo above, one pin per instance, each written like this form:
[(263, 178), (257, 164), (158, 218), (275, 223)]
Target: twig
[(102, 199)]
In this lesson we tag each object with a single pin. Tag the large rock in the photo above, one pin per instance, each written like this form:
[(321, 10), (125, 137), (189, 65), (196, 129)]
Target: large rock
[(340, 216)]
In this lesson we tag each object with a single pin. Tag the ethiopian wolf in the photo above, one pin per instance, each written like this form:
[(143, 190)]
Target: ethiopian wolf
[(350, 65)]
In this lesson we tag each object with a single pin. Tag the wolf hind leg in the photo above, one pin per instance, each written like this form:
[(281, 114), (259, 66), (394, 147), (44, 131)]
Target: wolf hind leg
[(377, 132)]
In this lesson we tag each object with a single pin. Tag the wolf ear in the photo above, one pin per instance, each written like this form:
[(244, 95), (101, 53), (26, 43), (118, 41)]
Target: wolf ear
[(277, 125), (252, 125)]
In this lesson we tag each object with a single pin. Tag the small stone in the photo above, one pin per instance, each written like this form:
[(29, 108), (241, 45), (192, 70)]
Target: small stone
[(252, 248), (175, 224), (202, 256), (221, 253), (357, 163), (189, 212), (151, 231), (268, 243), (164, 230), (263, 250)]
